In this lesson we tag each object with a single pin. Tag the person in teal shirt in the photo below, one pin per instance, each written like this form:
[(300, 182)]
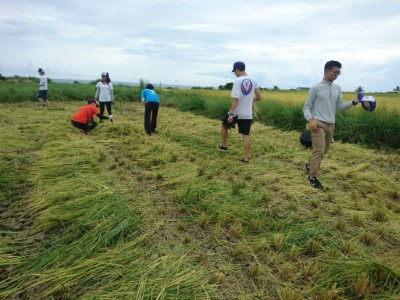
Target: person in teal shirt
[(152, 103)]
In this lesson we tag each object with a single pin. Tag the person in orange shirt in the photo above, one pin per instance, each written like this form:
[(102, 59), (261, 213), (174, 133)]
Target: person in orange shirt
[(83, 118)]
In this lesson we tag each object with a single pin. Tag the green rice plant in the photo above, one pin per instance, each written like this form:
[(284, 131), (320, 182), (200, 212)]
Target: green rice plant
[(384, 231), (278, 241), (383, 275), (256, 223), (261, 245), (239, 251), (357, 220), (361, 286), (389, 204), (218, 278), (397, 209), (224, 218), (368, 238), (287, 293), (200, 171), (173, 158), (311, 269), (331, 197), (317, 213), (94, 217), (237, 229), (379, 214), (395, 195), (237, 186), (254, 270), (294, 252), (337, 210), (194, 104), (347, 247), (341, 225), (312, 247), (287, 270), (186, 239), (328, 294), (315, 203), (203, 220), (217, 229), (161, 210)]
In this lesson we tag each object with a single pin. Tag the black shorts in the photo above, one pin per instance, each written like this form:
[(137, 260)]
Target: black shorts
[(42, 94), (244, 126)]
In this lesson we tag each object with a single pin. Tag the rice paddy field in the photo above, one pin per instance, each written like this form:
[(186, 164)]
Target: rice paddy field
[(118, 214)]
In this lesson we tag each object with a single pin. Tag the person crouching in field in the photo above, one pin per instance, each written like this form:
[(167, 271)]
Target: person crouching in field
[(41, 95), (152, 103), (241, 111), (83, 118), (319, 110)]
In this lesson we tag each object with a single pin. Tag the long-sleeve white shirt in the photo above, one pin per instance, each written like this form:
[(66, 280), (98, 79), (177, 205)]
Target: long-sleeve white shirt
[(322, 101)]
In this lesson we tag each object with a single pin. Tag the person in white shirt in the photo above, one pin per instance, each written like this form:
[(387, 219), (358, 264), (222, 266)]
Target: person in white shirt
[(105, 93), (41, 96), (241, 111), (319, 110)]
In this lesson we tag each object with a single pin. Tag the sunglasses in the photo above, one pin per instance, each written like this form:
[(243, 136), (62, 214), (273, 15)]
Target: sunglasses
[(336, 72)]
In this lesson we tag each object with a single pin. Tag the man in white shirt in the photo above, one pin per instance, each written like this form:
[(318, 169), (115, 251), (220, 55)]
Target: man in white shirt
[(41, 96), (241, 111), (320, 110)]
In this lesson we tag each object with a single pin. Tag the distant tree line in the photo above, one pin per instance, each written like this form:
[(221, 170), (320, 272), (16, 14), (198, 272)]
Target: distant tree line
[(202, 88), (142, 83)]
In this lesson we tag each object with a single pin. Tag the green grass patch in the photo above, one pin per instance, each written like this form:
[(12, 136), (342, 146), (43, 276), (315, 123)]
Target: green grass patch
[(119, 214)]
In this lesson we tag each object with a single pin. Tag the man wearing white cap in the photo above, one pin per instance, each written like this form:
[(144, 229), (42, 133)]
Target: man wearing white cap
[(41, 96)]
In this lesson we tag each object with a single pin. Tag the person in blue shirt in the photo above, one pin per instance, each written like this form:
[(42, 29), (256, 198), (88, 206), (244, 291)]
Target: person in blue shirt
[(152, 103)]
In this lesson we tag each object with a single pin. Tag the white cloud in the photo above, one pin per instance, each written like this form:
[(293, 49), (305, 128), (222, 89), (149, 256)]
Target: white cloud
[(284, 43)]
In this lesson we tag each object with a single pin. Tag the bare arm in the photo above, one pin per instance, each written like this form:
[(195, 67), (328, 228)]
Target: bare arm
[(257, 92), (234, 104)]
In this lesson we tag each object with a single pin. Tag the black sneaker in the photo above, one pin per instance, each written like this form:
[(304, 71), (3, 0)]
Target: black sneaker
[(306, 169), (315, 183), (222, 148), (244, 161)]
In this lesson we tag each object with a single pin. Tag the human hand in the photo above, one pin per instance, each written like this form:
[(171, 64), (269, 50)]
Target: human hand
[(312, 125)]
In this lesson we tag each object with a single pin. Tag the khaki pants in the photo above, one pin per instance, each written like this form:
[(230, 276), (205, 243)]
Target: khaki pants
[(321, 140)]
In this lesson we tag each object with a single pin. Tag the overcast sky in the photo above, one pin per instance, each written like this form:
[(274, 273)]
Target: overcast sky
[(190, 42)]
